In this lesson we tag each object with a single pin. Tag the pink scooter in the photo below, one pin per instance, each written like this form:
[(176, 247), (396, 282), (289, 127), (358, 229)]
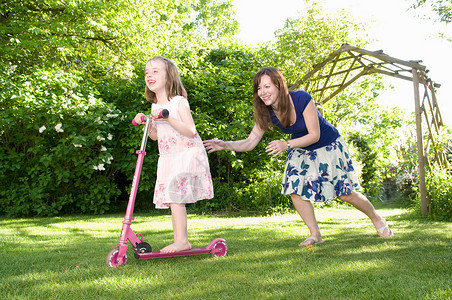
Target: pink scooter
[(143, 250)]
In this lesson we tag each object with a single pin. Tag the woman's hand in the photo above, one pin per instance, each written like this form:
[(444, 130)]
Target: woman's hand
[(277, 147), (214, 145), (138, 118)]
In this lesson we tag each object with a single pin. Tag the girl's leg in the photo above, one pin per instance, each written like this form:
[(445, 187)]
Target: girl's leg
[(179, 219), (363, 204), (306, 212)]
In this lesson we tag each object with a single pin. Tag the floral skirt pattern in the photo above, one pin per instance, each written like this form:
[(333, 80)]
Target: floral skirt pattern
[(183, 178), (320, 175)]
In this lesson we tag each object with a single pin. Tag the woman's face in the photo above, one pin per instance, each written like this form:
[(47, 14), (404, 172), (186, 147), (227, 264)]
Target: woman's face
[(268, 91), (155, 75)]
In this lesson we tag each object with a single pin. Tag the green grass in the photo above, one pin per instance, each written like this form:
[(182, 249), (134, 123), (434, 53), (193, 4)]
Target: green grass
[(64, 258)]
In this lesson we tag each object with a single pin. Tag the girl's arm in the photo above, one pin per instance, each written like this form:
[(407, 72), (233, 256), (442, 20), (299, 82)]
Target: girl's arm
[(311, 119), (239, 146), (185, 125), (153, 131)]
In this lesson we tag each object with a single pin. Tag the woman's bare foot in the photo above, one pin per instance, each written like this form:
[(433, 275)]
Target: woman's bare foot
[(383, 229), (176, 247)]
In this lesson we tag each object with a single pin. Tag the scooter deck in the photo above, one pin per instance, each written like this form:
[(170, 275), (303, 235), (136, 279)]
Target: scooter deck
[(210, 249), (158, 254)]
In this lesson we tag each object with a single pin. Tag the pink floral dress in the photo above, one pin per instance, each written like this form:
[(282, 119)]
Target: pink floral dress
[(183, 172)]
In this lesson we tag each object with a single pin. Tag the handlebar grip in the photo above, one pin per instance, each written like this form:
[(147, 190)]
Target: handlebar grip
[(163, 114), (135, 123)]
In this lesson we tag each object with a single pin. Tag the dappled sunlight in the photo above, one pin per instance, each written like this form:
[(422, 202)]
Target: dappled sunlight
[(264, 260)]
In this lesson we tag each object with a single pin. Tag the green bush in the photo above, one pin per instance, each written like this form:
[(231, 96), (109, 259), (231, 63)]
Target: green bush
[(57, 145), (439, 189), (370, 178)]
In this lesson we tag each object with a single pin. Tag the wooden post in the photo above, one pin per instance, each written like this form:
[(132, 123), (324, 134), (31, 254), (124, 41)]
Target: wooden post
[(420, 146)]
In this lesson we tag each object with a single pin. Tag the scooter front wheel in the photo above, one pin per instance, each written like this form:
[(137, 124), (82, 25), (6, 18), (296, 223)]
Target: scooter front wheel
[(220, 249), (112, 258)]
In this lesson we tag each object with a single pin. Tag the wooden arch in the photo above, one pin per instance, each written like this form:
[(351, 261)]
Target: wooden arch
[(347, 64)]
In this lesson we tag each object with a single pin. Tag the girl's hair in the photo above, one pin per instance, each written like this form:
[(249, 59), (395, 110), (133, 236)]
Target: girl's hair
[(261, 111), (174, 86)]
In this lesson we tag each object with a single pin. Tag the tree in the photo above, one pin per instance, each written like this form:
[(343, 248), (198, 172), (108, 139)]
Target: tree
[(71, 77), (443, 8), (310, 38), (107, 36)]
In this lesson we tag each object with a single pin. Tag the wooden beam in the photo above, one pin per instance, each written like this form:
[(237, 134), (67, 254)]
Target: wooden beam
[(384, 57), (420, 148)]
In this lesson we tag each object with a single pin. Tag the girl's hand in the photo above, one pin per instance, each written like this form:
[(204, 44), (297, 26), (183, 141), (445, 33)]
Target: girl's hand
[(138, 119), (275, 148), (214, 145)]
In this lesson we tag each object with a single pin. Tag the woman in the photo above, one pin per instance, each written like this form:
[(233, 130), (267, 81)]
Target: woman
[(318, 166)]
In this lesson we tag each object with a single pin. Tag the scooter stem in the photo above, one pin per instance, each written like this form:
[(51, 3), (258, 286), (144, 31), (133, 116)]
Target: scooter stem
[(127, 233)]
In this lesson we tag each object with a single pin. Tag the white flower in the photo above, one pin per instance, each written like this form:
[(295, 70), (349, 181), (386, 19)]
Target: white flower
[(75, 97), (112, 115), (58, 127), (108, 160), (110, 136), (98, 120), (100, 167), (42, 128), (77, 145), (91, 100), (103, 149), (99, 138)]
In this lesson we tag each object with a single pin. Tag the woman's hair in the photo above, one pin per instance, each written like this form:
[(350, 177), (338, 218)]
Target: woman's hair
[(174, 86), (262, 111)]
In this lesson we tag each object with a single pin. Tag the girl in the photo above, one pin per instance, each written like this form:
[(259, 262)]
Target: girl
[(318, 166), (183, 173)]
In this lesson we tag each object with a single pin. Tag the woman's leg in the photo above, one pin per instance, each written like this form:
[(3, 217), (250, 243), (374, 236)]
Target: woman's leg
[(363, 204), (179, 220), (306, 212)]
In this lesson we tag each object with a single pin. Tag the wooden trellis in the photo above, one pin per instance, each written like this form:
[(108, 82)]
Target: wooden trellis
[(347, 64)]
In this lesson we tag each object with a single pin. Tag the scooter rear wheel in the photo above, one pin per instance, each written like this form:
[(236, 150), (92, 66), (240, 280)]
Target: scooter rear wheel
[(142, 247), (112, 258), (221, 249)]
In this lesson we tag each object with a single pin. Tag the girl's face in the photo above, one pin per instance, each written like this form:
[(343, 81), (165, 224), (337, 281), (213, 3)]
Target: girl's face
[(268, 91), (155, 75)]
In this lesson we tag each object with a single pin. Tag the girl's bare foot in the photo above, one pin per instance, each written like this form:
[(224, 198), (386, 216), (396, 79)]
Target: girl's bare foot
[(311, 241), (176, 247)]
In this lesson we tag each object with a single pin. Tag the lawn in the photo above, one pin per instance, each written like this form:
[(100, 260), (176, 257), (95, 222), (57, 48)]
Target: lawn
[(64, 258)]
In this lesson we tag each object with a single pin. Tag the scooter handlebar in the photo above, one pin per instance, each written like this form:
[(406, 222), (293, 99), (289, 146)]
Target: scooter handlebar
[(163, 114)]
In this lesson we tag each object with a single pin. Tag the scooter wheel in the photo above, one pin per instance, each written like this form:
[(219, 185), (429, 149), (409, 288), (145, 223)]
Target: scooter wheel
[(112, 258), (221, 249), (142, 247)]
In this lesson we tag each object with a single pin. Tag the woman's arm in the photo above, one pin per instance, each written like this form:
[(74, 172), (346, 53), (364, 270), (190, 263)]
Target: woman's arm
[(240, 146), (311, 119)]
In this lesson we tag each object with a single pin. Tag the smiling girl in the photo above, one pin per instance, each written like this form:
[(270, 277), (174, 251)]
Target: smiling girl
[(183, 173)]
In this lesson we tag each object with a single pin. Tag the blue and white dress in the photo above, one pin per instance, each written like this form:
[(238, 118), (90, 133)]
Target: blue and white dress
[(322, 171)]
